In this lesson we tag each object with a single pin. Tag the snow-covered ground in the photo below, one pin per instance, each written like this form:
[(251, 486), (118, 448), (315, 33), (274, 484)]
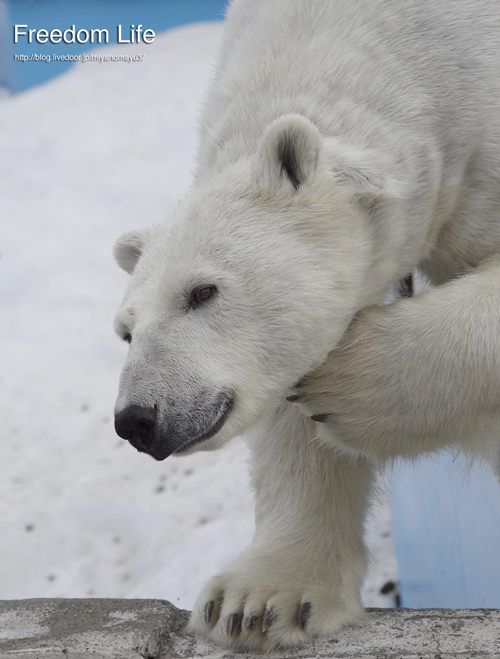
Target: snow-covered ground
[(105, 148)]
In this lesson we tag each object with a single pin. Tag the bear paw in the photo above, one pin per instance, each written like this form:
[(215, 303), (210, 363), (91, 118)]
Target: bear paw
[(257, 614)]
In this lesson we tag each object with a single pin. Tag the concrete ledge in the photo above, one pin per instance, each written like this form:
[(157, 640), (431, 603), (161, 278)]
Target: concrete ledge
[(153, 629)]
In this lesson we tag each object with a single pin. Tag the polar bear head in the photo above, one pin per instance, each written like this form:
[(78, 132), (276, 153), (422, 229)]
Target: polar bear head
[(247, 288)]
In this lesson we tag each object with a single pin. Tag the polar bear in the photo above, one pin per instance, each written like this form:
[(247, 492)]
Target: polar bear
[(343, 145)]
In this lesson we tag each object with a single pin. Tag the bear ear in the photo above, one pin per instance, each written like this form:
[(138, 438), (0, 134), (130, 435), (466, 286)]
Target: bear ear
[(361, 171), (128, 249), (289, 152)]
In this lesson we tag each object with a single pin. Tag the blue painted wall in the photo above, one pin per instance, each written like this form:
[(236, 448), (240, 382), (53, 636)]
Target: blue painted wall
[(6, 63), (157, 15), (446, 524)]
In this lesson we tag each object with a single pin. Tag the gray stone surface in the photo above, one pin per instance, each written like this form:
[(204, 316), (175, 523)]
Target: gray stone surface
[(154, 629)]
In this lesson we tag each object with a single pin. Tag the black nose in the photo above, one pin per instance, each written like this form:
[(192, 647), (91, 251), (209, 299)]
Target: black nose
[(137, 424)]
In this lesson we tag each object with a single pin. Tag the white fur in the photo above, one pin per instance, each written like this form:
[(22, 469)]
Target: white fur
[(344, 143)]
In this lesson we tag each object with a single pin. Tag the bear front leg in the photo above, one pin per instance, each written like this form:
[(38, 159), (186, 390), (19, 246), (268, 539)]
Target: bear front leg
[(414, 376), (300, 578)]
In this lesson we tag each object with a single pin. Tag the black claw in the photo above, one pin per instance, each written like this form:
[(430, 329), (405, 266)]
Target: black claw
[(209, 611), (321, 418), (388, 587), (294, 398), (405, 286), (268, 619), (233, 622), (303, 614), (250, 623)]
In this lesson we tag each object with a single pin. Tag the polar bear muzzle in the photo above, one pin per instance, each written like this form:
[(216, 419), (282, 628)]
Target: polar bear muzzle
[(160, 434)]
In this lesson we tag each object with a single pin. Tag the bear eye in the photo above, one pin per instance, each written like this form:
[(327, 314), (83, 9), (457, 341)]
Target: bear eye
[(127, 337), (202, 294)]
